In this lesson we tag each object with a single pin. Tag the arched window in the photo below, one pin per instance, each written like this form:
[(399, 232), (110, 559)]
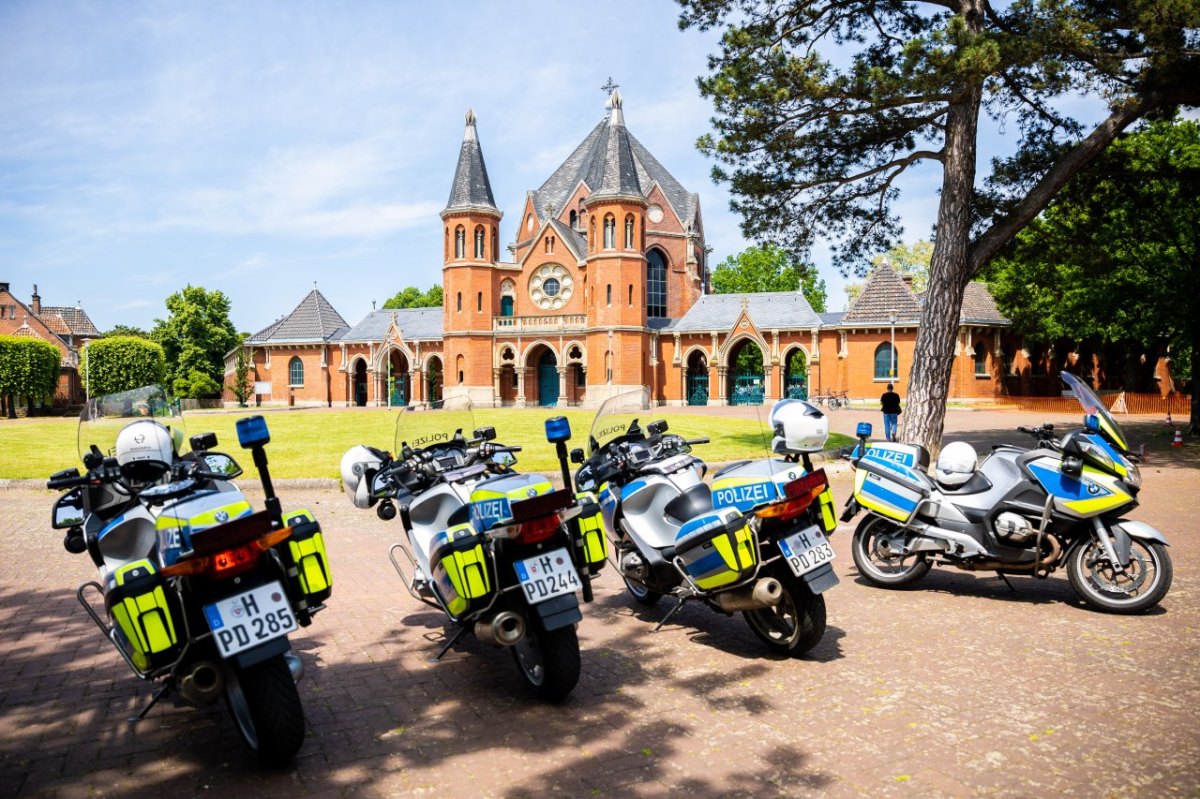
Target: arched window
[(458, 302), (495, 246), (631, 295), (656, 284), (460, 242), (479, 302), (608, 367), (506, 306), (629, 232), (609, 298), (459, 362), (610, 232), (479, 242), (592, 236), (981, 369), (295, 372), (574, 217), (887, 363)]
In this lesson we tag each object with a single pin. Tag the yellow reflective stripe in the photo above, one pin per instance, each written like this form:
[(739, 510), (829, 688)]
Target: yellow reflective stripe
[(209, 518), (1107, 428), (312, 563)]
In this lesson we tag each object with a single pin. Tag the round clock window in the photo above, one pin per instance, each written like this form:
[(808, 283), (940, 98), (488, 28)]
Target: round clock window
[(550, 286)]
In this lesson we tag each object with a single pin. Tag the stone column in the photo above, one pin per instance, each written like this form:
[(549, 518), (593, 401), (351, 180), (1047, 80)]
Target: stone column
[(520, 403), (563, 372), (721, 399), (496, 386), (774, 387)]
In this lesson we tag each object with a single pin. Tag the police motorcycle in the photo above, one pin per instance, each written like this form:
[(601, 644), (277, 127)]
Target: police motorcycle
[(1061, 503), (755, 542), (199, 592), (498, 552)]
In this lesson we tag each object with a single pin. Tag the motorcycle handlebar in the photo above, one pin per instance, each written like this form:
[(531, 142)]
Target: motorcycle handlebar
[(693, 441), (68, 482)]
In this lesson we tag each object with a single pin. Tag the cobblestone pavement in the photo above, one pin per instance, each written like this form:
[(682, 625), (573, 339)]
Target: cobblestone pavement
[(960, 687)]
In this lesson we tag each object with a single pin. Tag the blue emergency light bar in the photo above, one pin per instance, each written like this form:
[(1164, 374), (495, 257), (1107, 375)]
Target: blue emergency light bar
[(863, 430), (252, 432), (558, 429)]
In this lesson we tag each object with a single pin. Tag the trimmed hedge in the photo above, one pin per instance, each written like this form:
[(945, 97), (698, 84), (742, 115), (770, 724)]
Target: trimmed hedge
[(29, 368), (121, 363)]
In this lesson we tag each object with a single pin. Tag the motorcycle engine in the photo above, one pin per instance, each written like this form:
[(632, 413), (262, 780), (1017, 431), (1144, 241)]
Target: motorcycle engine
[(1014, 529), (632, 565)]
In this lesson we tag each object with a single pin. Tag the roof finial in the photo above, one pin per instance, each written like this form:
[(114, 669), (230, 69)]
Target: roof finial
[(615, 116), (609, 86), (470, 135)]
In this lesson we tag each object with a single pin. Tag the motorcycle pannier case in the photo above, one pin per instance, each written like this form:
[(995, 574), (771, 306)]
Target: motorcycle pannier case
[(591, 528), (889, 480), (145, 613), (717, 548), (462, 574), (313, 579)]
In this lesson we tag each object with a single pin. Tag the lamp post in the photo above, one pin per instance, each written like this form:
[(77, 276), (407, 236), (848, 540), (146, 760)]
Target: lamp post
[(892, 319)]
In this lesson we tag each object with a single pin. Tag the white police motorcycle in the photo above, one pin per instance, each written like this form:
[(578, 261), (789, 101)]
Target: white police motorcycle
[(755, 542), (499, 553), (199, 592)]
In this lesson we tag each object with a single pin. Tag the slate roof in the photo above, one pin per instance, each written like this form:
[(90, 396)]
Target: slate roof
[(574, 240), (768, 310), (313, 320), (77, 321), (885, 293), (414, 323), (831, 317), (979, 306), (471, 189), (609, 151)]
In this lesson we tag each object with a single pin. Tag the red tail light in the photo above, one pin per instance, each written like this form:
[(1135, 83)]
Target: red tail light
[(538, 529), (228, 562), (800, 493)]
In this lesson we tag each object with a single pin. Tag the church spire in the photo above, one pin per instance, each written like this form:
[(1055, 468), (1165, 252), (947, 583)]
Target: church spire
[(618, 176), (471, 190)]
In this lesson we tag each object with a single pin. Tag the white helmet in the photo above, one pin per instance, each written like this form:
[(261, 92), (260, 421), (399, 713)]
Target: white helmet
[(359, 465), (145, 450), (955, 464), (798, 427)]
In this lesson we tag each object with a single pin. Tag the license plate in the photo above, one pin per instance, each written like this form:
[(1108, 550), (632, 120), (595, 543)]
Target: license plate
[(549, 575), (249, 619), (806, 550)]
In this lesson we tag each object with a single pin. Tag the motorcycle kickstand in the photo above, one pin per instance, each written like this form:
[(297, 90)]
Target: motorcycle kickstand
[(159, 694), (1006, 582), (451, 641), (678, 604)]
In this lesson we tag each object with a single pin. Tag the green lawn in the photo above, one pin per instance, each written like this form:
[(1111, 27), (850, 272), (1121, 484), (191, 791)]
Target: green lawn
[(310, 443)]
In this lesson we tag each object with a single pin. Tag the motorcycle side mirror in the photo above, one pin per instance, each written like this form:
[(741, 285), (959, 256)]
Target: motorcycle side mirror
[(203, 441), (577, 455), (68, 510), (657, 428), (1072, 466), (485, 434), (220, 465)]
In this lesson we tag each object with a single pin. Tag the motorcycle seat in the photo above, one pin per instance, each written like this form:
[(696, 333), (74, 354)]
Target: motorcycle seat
[(976, 484), (696, 501)]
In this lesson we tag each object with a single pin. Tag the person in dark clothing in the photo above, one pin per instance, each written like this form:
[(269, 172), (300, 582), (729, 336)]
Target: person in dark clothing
[(890, 403)]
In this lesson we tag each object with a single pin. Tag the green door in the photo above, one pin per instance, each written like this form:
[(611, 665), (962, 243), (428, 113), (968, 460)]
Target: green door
[(797, 387), (748, 389), (697, 388), (547, 372)]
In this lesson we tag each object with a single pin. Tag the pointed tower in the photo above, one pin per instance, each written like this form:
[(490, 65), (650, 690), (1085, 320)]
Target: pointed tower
[(616, 260), (471, 223)]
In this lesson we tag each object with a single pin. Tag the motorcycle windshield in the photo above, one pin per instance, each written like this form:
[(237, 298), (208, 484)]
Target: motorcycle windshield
[(620, 415), (435, 430), (103, 417), (1093, 406)]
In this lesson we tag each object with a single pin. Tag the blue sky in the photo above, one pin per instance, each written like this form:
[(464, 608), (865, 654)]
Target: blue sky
[(258, 147)]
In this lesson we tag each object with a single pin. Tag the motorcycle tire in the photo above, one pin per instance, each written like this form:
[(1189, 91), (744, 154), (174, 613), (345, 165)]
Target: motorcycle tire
[(796, 624), (266, 708), (1086, 571), (641, 593), (548, 661), (863, 545)]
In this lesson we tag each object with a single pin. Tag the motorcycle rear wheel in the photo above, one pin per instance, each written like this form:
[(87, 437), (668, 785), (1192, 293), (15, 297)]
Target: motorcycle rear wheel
[(548, 661), (875, 565), (796, 624), (1143, 586), (266, 708), (641, 593)]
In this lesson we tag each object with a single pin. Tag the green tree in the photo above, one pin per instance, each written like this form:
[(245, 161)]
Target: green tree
[(29, 368), (413, 297), (241, 387), (768, 267), (821, 105), (1115, 257), (195, 337), (121, 363), (125, 330)]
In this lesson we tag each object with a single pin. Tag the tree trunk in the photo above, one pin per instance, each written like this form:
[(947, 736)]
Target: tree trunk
[(949, 269), (1194, 420)]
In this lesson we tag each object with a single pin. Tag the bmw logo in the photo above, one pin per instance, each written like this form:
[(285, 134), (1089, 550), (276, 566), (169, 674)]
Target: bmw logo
[(531, 492), (222, 516), (791, 475)]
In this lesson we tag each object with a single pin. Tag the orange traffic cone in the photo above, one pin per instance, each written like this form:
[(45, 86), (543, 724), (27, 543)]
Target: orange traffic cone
[(1178, 442)]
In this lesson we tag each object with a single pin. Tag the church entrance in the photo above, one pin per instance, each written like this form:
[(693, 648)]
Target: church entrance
[(398, 388), (547, 379), (697, 379), (747, 382), (795, 381), (433, 380), (360, 383)]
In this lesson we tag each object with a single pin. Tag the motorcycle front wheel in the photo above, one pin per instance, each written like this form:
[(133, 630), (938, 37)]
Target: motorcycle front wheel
[(1140, 587), (266, 708), (641, 593), (875, 560), (548, 661), (796, 624)]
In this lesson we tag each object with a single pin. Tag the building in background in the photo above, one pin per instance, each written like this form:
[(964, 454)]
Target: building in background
[(67, 328)]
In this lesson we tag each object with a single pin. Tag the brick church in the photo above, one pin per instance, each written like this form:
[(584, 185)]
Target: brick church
[(604, 289)]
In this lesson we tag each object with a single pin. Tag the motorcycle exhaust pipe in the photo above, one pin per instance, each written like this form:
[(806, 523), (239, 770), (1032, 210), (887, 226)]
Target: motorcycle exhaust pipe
[(204, 684), (765, 593), (504, 629)]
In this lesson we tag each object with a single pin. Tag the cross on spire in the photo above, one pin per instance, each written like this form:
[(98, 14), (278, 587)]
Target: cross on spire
[(608, 87)]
